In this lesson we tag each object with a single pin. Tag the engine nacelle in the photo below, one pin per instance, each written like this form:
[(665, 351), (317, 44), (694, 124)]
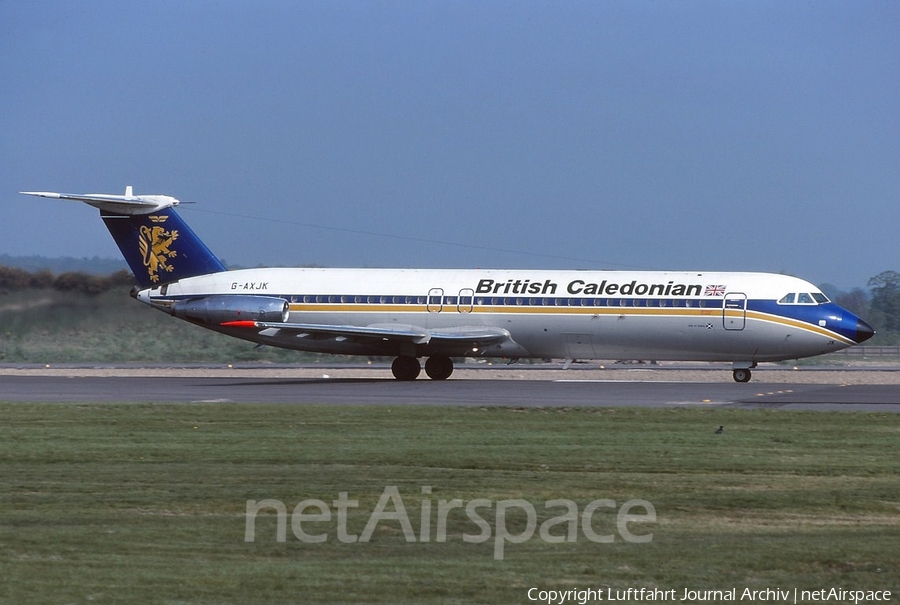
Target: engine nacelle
[(220, 309)]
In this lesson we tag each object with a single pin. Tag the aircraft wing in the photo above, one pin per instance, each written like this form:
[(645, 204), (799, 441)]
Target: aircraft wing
[(475, 336)]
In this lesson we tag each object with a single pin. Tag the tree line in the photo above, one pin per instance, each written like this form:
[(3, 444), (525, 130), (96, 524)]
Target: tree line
[(12, 278), (881, 309)]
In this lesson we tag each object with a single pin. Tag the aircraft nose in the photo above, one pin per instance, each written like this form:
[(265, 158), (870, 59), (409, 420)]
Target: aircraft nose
[(863, 331)]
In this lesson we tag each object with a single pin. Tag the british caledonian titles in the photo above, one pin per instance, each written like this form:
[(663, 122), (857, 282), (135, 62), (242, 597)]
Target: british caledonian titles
[(579, 286)]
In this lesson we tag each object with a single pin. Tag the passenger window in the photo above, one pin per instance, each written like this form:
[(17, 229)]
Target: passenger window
[(787, 299)]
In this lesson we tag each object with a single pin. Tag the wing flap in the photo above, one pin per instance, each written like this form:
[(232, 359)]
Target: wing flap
[(473, 335), (402, 333)]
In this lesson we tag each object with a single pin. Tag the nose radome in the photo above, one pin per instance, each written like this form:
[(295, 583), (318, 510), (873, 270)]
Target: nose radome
[(863, 331)]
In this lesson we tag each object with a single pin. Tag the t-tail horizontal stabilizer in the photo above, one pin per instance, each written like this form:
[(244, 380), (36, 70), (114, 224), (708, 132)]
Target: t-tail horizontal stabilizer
[(157, 244), (117, 204)]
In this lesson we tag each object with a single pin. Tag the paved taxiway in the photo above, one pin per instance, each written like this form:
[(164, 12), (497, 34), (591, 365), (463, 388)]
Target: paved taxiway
[(555, 389)]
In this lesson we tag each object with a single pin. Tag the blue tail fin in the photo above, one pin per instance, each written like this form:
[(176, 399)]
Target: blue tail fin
[(160, 247)]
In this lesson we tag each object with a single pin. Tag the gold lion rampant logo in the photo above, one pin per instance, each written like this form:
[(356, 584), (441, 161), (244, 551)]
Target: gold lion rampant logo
[(154, 243)]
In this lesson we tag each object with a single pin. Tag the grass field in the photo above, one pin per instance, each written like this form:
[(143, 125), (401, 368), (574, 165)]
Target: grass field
[(146, 503)]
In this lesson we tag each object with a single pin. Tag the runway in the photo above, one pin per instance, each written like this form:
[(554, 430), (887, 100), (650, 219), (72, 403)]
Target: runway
[(564, 391)]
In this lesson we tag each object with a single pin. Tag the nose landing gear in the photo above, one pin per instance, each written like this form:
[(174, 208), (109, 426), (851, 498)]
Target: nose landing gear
[(741, 375), (741, 370)]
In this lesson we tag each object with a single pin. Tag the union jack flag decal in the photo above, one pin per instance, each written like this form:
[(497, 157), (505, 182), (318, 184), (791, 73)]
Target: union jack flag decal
[(714, 291)]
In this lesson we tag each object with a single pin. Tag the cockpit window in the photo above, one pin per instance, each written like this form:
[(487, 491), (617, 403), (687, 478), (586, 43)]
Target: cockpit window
[(803, 298)]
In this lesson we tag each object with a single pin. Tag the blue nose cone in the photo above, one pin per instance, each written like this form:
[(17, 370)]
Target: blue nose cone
[(863, 331)]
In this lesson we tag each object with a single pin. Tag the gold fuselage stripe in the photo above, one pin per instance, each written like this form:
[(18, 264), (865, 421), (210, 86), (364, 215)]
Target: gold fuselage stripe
[(561, 310)]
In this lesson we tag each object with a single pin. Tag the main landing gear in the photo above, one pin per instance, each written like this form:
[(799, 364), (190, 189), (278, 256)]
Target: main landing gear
[(407, 367)]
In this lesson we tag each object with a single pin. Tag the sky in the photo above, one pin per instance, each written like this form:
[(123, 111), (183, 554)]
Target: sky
[(689, 135)]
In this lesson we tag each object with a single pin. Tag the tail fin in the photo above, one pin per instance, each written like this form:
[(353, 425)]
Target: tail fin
[(160, 247), (157, 244)]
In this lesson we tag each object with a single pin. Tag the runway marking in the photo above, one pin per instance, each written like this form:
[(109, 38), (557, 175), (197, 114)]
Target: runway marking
[(589, 380)]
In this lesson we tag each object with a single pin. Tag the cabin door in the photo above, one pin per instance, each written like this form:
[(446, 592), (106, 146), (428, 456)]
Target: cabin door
[(734, 311)]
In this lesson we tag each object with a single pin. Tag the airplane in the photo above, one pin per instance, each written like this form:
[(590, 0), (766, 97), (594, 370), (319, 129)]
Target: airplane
[(409, 314)]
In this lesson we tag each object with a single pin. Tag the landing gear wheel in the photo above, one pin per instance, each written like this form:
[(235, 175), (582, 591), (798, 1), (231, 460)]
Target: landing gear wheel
[(741, 375), (439, 368), (406, 368)]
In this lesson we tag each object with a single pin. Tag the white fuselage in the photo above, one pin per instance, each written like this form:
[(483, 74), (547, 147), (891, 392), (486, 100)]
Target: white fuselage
[(699, 316)]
